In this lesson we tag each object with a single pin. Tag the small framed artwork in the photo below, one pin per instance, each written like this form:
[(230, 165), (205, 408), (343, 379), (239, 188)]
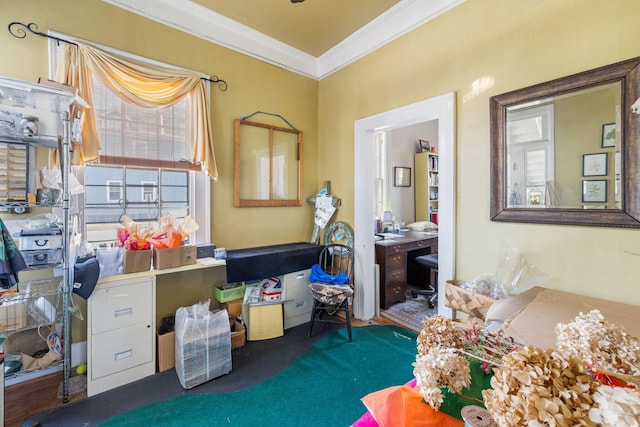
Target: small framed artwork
[(608, 135), (594, 191), (594, 164), (423, 145), (401, 176)]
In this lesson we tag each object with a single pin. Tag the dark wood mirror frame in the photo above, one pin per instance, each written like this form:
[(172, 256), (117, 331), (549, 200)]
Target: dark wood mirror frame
[(628, 74)]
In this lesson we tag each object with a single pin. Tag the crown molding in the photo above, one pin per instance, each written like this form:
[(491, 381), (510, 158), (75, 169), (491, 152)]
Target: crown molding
[(191, 18)]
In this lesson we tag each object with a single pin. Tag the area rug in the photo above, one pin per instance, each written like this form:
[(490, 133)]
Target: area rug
[(323, 387), (410, 313)]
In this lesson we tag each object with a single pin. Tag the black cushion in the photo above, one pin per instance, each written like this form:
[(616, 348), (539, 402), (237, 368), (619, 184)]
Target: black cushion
[(430, 261)]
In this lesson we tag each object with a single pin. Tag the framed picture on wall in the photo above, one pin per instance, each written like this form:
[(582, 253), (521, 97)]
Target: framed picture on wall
[(594, 191), (594, 164), (401, 176), (423, 145), (608, 135)]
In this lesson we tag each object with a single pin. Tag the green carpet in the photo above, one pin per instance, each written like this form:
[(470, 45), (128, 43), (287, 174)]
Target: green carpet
[(321, 388)]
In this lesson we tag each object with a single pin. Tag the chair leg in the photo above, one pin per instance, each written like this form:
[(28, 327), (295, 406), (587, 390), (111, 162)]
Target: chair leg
[(313, 317), (348, 319)]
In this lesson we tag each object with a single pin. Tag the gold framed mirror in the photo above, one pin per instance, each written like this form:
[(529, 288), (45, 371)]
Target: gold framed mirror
[(568, 151), (267, 165)]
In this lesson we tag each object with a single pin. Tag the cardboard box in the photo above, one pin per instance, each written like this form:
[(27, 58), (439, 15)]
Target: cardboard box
[(135, 261), (234, 307), (167, 258), (189, 254), (166, 351), (239, 336)]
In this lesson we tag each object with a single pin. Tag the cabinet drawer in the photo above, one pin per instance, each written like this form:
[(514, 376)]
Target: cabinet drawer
[(396, 275), (120, 306), (299, 279), (123, 349), (396, 260), (301, 301)]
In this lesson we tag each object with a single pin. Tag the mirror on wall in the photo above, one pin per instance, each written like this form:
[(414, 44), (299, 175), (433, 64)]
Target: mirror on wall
[(268, 165), (566, 151)]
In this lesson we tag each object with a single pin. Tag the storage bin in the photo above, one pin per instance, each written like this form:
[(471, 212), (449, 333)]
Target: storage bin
[(42, 257), (467, 301), (228, 291), (40, 242)]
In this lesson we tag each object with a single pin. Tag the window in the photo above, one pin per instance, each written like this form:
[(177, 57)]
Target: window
[(530, 157), (143, 172)]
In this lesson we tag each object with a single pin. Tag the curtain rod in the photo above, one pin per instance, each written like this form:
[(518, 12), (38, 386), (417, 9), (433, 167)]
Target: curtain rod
[(19, 30)]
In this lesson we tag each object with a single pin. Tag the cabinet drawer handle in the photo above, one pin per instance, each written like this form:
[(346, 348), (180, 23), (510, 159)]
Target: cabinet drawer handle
[(123, 312), (396, 290), (396, 275), (420, 243), (123, 354), (397, 258)]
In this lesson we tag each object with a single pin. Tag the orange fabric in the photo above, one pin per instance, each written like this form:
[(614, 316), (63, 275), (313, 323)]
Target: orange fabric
[(402, 406)]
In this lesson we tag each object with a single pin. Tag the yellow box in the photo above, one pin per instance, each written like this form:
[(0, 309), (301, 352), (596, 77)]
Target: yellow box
[(263, 320), (135, 261)]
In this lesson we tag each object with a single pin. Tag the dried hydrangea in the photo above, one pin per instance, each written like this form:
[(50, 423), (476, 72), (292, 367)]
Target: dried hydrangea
[(438, 331), (441, 367), (536, 387), (616, 406), (599, 343)]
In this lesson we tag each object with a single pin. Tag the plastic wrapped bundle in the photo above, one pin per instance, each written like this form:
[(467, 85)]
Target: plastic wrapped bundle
[(203, 344)]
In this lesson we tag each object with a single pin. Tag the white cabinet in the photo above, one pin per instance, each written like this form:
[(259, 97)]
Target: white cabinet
[(298, 298), (121, 346)]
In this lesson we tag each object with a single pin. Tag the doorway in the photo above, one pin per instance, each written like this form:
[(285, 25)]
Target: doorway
[(441, 108)]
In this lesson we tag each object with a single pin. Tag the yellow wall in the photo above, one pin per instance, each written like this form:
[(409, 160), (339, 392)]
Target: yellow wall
[(509, 45), (479, 49), (253, 86)]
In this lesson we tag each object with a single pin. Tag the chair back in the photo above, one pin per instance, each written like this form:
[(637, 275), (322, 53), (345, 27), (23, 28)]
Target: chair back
[(336, 259)]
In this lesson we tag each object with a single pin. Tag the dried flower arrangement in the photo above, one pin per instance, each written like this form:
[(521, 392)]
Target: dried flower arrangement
[(592, 379)]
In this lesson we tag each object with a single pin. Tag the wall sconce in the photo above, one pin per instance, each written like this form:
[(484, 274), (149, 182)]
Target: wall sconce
[(635, 108)]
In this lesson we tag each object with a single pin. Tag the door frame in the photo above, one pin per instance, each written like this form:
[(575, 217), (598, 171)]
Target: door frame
[(441, 108)]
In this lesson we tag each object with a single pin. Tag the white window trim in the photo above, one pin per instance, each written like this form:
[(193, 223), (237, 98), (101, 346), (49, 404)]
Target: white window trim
[(111, 184)]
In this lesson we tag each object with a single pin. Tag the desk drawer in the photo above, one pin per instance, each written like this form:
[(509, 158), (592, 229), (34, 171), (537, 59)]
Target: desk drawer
[(396, 260), (432, 243), (121, 306), (394, 292), (395, 275)]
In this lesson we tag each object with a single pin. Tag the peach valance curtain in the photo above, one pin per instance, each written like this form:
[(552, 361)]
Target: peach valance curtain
[(141, 85)]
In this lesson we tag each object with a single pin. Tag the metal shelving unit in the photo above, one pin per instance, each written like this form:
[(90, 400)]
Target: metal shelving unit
[(52, 106)]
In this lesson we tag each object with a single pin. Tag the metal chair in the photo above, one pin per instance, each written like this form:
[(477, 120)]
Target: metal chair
[(332, 287), (431, 262)]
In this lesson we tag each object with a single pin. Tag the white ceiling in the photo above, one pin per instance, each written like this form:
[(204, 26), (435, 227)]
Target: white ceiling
[(314, 38)]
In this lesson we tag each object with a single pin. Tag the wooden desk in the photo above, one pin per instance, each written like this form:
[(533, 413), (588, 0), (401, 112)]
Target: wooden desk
[(394, 257)]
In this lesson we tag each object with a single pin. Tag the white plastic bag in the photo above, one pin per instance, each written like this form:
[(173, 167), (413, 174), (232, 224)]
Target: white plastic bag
[(203, 344)]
